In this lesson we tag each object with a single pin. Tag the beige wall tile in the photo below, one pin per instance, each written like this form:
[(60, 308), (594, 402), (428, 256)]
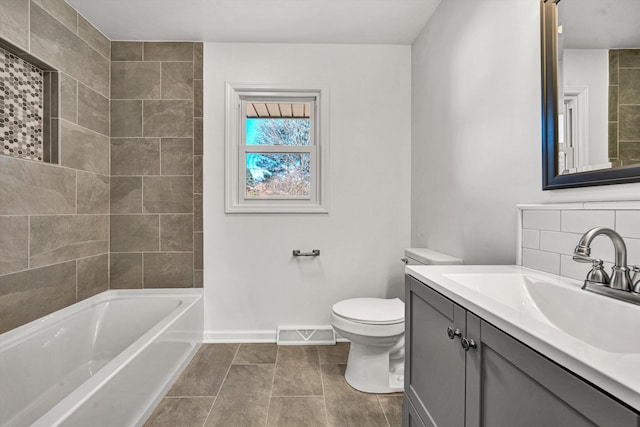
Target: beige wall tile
[(177, 156), (168, 119), (59, 238), (197, 135), (176, 232), (60, 47), (135, 156), (93, 110), (197, 212), (34, 188), (198, 57), (126, 51), (14, 244), (83, 149), (198, 249), (31, 294), (14, 22), (93, 276), (135, 80), (168, 270), (197, 174), (93, 193), (126, 194), (126, 271), (94, 37), (168, 194), (168, 51), (177, 80), (126, 118), (135, 233), (198, 88), (68, 98), (61, 11)]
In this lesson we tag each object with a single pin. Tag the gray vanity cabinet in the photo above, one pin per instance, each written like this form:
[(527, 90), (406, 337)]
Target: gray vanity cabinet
[(501, 382)]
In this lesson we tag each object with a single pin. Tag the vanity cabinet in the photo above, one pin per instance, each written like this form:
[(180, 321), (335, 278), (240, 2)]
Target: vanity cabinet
[(498, 381)]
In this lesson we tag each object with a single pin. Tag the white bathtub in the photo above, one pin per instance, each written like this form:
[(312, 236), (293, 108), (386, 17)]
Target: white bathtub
[(105, 361)]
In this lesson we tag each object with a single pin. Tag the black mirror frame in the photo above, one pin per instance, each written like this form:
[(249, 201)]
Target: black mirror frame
[(549, 58)]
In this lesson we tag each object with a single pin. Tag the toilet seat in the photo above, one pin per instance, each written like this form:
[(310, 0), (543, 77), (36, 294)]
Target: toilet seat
[(372, 317), (371, 311)]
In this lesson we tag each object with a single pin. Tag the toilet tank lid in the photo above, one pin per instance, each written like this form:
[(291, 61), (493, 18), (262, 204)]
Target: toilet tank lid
[(430, 257), (371, 310)]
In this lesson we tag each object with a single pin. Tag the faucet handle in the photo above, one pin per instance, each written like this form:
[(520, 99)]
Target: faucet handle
[(635, 284), (597, 273)]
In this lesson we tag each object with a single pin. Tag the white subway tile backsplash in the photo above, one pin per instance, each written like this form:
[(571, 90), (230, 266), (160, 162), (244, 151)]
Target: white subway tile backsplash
[(543, 261), (579, 221), (531, 239), (556, 241), (550, 234), (628, 223), (541, 219)]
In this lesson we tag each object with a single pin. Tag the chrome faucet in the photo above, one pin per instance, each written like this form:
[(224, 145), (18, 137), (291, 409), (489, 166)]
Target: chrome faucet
[(620, 277)]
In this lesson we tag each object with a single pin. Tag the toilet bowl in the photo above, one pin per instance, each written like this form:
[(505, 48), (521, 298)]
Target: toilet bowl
[(375, 327)]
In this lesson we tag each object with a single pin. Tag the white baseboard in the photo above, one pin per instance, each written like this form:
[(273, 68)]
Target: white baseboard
[(259, 336)]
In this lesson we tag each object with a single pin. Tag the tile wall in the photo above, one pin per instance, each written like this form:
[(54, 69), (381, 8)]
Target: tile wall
[(624, 106), (550, 234), (123, 206), (156, 164), (54, 219)]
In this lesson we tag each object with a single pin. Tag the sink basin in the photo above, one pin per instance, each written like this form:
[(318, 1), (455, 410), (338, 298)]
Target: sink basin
[(600, 321), (592, 335)]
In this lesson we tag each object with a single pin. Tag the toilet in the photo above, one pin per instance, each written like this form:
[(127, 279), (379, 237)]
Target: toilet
[(375, 327)]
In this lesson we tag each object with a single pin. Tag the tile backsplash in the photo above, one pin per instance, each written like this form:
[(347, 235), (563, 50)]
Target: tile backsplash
[(550, 233)]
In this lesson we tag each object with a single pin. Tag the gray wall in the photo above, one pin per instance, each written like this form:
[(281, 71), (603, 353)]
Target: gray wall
[(55, 222), (476, 137), (156, 165)]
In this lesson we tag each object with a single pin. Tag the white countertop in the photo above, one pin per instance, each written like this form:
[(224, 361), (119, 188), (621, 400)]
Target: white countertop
[(617, 372)]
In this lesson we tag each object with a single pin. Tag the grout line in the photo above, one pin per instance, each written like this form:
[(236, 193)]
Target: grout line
[(222, 384), (383, 412), (273, 381), (324, 394), (28, 242)]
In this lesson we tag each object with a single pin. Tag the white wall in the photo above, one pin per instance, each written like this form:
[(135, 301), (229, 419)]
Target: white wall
[(589, 68), (476, 149), (251, 280)]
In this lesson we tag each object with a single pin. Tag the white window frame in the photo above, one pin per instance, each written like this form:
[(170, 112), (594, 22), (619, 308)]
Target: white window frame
[(237, 95)]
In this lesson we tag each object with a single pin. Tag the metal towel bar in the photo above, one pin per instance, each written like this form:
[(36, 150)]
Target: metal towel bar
[(314, 252)]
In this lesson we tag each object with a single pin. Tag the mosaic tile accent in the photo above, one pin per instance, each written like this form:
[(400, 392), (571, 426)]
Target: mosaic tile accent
[(21, 107)]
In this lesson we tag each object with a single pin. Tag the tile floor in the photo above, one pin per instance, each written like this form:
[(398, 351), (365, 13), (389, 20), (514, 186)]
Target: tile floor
[(239, 385)]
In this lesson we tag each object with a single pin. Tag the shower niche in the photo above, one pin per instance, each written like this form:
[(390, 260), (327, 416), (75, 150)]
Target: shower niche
[(29, 127)]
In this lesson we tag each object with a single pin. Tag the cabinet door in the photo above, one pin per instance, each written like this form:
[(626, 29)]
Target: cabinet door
[(434, 364), (410, 416), (513, 385)]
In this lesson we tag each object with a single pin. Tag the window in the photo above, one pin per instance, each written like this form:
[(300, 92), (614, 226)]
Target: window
[(276, 149)]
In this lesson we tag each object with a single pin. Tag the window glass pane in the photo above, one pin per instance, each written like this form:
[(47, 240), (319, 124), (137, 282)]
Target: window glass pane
[(278, 131), (278, 174)]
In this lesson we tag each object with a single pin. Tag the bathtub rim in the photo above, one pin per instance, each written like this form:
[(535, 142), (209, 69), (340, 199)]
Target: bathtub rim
[(72, 401), (14, 336)]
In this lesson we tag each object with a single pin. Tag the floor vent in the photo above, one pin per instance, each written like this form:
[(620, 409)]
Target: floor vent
[(306, 335)]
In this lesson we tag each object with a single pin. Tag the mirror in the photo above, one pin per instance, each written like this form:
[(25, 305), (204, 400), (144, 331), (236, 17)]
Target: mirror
[(590, 92)]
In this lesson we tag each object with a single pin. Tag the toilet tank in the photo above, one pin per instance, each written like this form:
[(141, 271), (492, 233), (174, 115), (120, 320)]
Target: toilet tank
[(424, 256)]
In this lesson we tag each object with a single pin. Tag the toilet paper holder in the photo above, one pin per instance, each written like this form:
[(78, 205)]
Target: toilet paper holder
[(314, 252)]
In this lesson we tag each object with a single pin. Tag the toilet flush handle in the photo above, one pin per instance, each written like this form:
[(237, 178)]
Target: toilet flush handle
[(405, 260)]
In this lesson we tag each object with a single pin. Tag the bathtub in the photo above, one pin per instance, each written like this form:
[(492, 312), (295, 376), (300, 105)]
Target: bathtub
[(105, 361)]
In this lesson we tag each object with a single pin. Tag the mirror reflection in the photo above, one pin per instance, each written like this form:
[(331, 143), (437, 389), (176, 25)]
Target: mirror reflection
[(598, 85)]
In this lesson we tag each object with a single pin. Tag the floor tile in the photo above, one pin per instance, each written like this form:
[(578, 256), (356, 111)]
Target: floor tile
[(296, 412), (347, 406), (244, 397), (297, 372), (180, 412), (392, 407), (204, 375), (334, 354), (255, 354)]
